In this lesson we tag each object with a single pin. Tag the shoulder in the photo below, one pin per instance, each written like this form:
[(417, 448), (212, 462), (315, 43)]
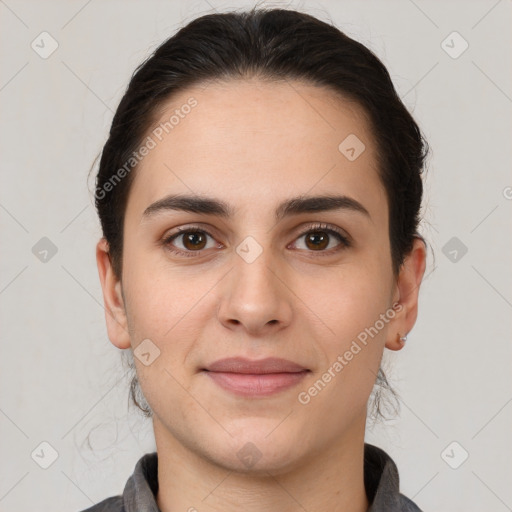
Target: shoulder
[(112, 504), (140, 489), (382, 483), (407, 505)]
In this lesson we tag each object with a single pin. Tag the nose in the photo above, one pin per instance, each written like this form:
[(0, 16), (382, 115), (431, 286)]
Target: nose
[(255, 298)]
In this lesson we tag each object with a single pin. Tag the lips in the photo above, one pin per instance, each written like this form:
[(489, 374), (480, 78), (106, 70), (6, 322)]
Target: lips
[(254, 378), (262, 366)]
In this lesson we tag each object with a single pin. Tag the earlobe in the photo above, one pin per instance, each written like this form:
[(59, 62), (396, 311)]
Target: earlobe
[(115, 313), (408, 287)]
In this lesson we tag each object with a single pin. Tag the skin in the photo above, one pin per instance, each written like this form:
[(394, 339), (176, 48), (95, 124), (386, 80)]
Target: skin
[(254, 144)]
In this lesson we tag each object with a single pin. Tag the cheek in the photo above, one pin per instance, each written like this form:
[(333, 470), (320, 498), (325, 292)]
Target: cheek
[(168, 307), (345, 298), (158, 296), (350, 303)]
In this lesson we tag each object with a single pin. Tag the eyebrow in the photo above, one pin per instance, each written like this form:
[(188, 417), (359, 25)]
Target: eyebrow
[(293, 206)]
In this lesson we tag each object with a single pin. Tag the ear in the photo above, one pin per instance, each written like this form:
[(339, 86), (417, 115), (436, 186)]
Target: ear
[(115, 314), (406, 294)]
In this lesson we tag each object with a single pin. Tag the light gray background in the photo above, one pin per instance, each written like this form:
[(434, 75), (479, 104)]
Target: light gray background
[(61, 379)]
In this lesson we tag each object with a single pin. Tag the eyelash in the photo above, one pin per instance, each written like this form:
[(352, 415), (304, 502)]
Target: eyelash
[(344, 241)]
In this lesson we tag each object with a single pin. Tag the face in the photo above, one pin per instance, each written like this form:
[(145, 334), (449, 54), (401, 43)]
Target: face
[(308, 281)]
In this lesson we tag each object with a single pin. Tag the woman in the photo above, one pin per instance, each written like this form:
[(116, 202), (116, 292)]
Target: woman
[(259, 196)]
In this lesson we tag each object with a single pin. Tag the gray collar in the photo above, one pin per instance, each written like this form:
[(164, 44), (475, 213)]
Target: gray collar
[(380, 478)]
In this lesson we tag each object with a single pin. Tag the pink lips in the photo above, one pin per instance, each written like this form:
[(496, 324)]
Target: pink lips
[(264, 377)]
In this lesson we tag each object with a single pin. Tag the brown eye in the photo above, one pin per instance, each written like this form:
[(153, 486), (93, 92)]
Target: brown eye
[(320, 238), (317, 240), (193, 240), (189, 242)]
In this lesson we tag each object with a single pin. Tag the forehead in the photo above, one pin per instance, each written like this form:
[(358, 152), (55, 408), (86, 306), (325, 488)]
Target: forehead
[(244, 140)]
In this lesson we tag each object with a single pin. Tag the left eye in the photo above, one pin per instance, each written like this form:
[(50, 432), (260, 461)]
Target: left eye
[(320, 239)]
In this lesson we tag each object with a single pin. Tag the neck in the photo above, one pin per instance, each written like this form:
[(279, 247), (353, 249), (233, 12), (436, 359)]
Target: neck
[(332, 480)]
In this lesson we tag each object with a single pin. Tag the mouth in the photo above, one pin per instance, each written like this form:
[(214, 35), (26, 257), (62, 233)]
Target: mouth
[(255, 378)]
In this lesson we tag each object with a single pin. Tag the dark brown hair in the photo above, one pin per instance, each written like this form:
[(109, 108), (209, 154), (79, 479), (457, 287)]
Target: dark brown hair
[(271, 44)]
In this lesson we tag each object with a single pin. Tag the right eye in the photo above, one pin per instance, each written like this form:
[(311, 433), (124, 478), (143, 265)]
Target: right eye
[(192, 240)]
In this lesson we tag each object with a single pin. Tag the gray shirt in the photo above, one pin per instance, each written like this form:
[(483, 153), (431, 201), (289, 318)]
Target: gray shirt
[(380, 479)]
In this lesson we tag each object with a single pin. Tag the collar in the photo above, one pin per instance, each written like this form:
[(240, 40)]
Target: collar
[(381, 482)]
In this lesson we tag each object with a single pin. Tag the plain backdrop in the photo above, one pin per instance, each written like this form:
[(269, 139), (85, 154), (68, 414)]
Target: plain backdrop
[(61, 380)]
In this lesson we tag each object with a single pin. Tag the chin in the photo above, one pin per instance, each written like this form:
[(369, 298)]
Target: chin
[(259, 453)]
